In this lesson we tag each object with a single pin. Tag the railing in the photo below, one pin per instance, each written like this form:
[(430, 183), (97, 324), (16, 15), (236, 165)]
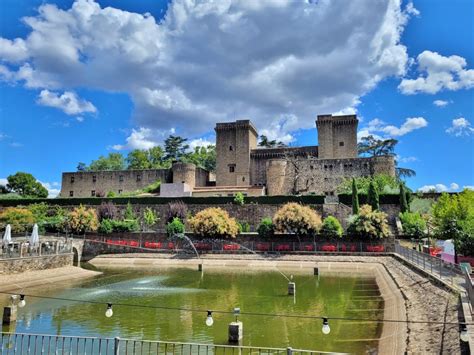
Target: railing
[(115, 244), (436, 266), (469, 284), (23, 249), (11, 343)]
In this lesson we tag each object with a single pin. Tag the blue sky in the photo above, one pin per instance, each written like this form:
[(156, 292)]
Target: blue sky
[(82, 79)]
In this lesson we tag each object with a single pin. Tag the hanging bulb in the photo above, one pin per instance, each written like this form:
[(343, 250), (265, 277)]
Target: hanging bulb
[(464, 335), (209, 320), (109, 312), (326, 329), (22, 302)]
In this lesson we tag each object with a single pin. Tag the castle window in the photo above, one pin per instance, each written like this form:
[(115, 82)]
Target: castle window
[(311, 167), (230, 147), (121, 178), (93, 193), (72, 179), (243, 178), (94, 178), (139, 177), (341, 144), (231, 168), (325, 166), (119, 191), (71, 193)]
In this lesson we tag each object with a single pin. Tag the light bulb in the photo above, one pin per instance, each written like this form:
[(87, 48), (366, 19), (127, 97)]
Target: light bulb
[(464, 335), (109, 313), (326, 329), (209, 320), (22, 302)]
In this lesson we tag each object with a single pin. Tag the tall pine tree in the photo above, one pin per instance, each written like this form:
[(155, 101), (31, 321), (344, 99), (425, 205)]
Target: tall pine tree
[(355, 198), (373, 196), (403, 200)]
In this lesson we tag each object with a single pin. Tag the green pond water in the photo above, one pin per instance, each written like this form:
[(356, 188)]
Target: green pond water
[(337, 295)]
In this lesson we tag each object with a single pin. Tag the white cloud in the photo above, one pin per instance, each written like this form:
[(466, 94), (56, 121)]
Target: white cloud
[(378, 126), (67, 102), (437, 73), (439, 188), (53, 188), (209, 61), (410, 9), (468, 187), (13, 51), (80, 119), (199, 142), (3, 181), (460, 127), (401, 159), (441, 103)]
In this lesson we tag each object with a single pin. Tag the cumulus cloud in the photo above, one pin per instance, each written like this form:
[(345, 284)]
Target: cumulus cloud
[(54, 188), (440, 188), (441, 103), (437, 73), (200, 142), (401, 159), (410, 9), (380, 130), (460, 127), (68, 102), (209, 61)]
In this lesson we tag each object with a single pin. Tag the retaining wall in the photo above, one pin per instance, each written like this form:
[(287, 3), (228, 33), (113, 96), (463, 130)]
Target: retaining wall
[(35, 263)]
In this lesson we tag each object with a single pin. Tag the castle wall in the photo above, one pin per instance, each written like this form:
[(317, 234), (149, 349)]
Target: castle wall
[(337, 136), (88, 183), (184, 173), (234, 141), (321, 176)]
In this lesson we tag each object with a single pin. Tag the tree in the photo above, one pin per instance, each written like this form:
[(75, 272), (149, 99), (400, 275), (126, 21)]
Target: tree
[(203, 157), (369, 223), (372, 147), (385, 184), (295, 218), (149, 217), (3, 190), (25, 184), (264, 142), (175, 147), (413, 224), (403, 200), (138, 159), (81, 166), (81, 220), (114, 161), (373, 197), (156, 158), (355, 198), (213, 222), (331, 227)]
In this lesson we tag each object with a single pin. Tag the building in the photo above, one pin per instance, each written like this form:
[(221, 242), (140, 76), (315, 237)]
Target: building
[(244, 166)]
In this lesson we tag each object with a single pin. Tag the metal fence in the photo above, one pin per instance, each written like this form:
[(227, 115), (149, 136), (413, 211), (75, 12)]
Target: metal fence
[(435, 265), (52, 344), (23, 249), (127, 245)]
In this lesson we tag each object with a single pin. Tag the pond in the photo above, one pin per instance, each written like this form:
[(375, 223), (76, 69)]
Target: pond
[(336, 295)]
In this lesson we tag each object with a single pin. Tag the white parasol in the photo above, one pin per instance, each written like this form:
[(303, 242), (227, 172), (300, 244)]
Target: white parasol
[(7, 237), (34, 239)]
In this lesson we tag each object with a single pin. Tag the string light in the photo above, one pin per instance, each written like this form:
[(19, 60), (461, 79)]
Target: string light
[(22, 302), (209, 320), (284, 315), (326, 328), (109, 312)]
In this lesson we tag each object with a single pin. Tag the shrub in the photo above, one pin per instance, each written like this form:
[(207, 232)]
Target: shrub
[(239, 198), (153, 188), (244, 227), (266, 229), (177, 209), (129, 214), (413, 224), (82, 219), (331, 227), (368, 223), (20, 219), (373, 196), (127, 225), (111, 194), (107, 210), (149, 217), (39, 210), (298, 219), (465, 244), (214, 222), (176, 226), (106, 226)]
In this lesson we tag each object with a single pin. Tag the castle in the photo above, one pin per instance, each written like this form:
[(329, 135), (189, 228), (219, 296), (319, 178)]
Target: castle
[(243, 166)]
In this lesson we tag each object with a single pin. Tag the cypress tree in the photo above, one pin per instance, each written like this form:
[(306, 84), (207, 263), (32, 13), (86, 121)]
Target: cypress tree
[(403, 200), (355, 198), (373, 197)]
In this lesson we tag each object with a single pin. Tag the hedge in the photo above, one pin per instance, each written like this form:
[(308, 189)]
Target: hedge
[(385, 199), (214, 200)]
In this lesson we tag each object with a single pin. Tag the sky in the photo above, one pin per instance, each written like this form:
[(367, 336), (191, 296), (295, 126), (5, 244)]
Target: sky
[(83, 78)]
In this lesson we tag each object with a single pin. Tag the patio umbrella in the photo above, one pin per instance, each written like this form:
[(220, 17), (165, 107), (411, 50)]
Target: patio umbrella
[(7, 237), (34, 239)]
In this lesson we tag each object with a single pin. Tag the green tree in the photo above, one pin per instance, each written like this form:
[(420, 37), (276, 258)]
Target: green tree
[(265, 142), (373, 197), (114, 161), (149, 217), (368, 223), (138, 159), (385, 184), (25, 184), (156, 157), (175, 147), (203, 157), (81, 166), (404, 207), (331, 227), (413, 224), (129, 214), (355, 198)]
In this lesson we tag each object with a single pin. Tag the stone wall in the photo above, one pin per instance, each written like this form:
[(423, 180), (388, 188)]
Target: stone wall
[(34, 263), (337, 136)]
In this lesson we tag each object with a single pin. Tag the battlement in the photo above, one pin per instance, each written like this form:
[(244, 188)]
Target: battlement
[(239, 124), (337, 120)]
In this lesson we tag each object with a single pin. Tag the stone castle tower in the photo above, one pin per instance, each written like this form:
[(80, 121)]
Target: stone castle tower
[(337, 136), (234, 141)]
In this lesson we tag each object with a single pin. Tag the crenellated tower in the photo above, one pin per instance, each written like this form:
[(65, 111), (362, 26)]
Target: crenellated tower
[(337, 136)]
